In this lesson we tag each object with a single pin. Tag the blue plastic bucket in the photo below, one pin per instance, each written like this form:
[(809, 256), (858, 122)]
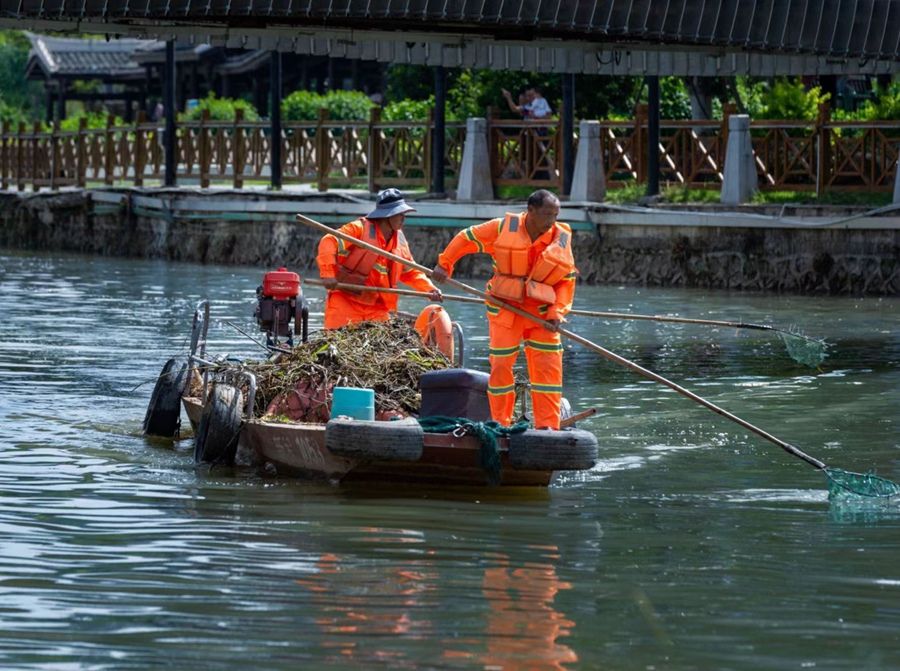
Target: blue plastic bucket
[(353, 402)]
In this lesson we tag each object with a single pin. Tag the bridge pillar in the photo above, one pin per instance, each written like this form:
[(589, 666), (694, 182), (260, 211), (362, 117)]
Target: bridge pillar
[(589, 179), (739, 179), (475, 170)]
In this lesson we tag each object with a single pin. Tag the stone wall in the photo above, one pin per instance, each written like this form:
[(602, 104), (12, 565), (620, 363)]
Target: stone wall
[(832, 260)]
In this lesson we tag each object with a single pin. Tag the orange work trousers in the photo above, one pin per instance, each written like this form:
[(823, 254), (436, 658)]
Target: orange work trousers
[(341, 310), (543, 353)]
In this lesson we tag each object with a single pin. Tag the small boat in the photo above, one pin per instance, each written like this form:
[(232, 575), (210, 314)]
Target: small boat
[(466, 450)]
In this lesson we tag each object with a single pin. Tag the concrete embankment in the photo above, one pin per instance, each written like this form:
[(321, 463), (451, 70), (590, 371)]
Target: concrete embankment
[(804, 250)]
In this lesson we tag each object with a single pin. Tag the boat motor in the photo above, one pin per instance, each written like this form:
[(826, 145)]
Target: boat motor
[(278, 300)]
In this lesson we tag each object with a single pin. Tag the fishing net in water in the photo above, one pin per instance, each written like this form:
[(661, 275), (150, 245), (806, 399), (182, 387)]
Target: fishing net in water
[(388, 357), (803, 349), (847, 483)]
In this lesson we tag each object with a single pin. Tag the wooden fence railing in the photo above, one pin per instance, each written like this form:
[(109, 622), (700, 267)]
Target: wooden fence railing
[(824, 155)]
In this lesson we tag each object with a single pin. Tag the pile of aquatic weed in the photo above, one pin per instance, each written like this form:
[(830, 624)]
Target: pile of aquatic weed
[(388, 357)]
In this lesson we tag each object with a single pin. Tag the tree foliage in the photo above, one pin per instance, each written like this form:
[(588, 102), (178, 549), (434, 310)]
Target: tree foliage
[(342, 105), (782, 99), (20, 100), (220, 109)]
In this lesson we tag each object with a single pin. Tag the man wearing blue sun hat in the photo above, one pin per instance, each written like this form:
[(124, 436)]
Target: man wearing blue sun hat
[(344, 262)]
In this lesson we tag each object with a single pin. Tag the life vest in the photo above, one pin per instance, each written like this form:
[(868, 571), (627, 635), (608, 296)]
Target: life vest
[(513, 279), (355, 266)]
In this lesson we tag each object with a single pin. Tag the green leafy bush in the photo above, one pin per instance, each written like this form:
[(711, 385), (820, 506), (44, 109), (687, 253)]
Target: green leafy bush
[(886, 104), (408, 110), (341, 105), (785, 99), (220, 109), (94, 120)]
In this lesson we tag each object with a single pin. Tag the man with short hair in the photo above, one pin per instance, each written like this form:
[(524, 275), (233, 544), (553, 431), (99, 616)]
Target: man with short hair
[(534, 270), (342, 261)]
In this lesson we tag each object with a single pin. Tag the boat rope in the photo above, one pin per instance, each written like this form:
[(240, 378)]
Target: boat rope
[(487, 433)]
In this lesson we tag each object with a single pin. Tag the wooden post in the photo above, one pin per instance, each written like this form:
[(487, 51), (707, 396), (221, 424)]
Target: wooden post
[(638, 143), (81, 152), (374, 149), (275, 87), (35, 153), (428, 148), (204, 149), (140, 151), (20, 157), (109, 155), (54, 155), (439, 136), (238, 149), (823, 139), (652, 135), (323, 158), (170, 107), (4, 157), (567, 129)]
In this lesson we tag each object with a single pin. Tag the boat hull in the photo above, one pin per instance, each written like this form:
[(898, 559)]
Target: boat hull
[(444, 458)]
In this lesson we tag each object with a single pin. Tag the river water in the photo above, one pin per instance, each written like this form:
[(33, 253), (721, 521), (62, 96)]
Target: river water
[(691, 545)]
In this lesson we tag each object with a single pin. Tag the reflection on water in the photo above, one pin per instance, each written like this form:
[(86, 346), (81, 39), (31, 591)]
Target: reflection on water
[(691, 545)]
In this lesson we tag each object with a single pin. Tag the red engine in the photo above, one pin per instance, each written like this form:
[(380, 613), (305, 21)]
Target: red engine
[(278, 301)]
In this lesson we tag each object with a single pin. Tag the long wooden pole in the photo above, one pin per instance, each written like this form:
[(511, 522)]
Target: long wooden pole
[(602, 351), (584, 313)]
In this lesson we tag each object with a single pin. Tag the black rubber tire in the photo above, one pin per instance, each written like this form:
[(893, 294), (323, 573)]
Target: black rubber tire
[(163, 416), (400, 440), (568, 450), (220, 426)]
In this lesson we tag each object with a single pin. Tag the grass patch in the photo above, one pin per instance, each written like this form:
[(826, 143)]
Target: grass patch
[(867, 198)]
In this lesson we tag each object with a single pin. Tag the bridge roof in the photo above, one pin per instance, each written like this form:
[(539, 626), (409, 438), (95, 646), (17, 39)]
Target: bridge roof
[(758, 36)]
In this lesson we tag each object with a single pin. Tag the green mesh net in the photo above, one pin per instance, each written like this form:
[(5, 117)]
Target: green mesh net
[(487, 432), (847, 483), (803, 349)]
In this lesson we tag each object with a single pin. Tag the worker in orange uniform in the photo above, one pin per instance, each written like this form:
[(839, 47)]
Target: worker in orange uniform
[(342, 261), (535, 272)]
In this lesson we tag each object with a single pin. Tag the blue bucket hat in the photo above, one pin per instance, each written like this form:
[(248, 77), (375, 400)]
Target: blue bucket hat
[(388, 203)]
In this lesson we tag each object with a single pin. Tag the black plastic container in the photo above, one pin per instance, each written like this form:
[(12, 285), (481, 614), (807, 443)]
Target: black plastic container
[(455, 392)]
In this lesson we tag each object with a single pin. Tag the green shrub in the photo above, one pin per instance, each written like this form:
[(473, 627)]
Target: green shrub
[(886, 104), (12, 115), (220, 109), (408, 110), (94, 120), (785, 99), (341, 105)]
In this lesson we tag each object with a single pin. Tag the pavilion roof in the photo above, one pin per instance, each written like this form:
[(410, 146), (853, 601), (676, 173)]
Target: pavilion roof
[(84, 58), (863, 29)]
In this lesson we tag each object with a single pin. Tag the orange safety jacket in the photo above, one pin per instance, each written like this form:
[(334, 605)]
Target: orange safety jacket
[(539, 275), (353, 264), (515, 276)]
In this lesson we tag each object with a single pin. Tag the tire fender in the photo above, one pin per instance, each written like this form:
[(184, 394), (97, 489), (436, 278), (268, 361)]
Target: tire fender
[(163, 416), (220, 426), (568, 450), (399, 440)]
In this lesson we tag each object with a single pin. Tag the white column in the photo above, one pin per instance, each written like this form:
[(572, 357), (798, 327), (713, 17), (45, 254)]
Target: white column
[(739, 183), (475, 171), (589, 180)]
